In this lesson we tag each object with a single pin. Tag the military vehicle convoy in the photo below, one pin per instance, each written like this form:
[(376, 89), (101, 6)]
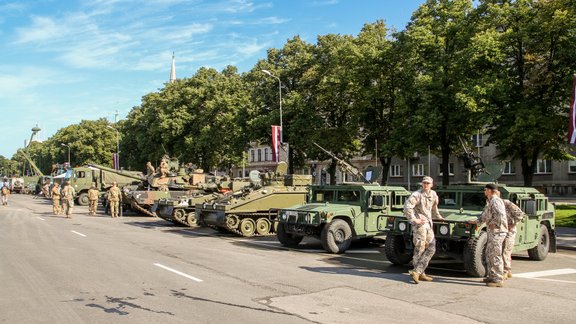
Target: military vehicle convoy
[(252, 210)]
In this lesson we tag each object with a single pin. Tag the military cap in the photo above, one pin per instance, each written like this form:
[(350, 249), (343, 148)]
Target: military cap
[(427, 179), (491, 186)]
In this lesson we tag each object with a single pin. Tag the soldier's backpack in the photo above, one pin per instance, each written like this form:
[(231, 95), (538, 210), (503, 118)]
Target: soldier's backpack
[(513, 212)]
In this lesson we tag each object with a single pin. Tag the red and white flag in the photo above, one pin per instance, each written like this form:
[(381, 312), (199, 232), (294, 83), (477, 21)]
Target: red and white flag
[(276, 136), (572, 129)]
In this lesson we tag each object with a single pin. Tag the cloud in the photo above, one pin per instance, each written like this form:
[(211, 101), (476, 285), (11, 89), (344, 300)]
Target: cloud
[(324, 2)]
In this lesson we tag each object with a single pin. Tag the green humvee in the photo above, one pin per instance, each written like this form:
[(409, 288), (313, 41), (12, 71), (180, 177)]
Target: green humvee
[(338, 214), (457, 239)]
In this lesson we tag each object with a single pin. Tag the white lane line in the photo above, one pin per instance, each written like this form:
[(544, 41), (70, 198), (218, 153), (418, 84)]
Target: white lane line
[(546, 273), (40, 218), (554, 280), (178, 272), (78, 233)]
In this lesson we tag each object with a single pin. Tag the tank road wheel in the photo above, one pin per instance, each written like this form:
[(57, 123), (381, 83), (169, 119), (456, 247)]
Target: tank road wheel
[(474, 256), (232, 221), (191, 219), (247, 227), (287, 239), (83, 199), (262, 226), (395, 250), (540, 251), (180, 215), (336, 236)]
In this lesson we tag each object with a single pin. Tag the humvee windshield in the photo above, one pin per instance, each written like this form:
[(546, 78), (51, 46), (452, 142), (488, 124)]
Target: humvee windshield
[(323, 195), (475, 200), (447, 200), (349, 195)]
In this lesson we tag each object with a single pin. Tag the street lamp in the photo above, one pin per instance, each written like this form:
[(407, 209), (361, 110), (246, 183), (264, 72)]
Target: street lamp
[(117, 146), (67, 145), (280, 99)]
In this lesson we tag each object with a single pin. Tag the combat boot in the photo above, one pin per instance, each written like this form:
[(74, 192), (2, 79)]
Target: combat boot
[(424, 277), (509, 274), (495, 284), (415, 276)]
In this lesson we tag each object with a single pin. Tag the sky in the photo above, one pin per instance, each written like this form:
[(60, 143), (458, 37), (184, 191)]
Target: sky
[(67, 61)]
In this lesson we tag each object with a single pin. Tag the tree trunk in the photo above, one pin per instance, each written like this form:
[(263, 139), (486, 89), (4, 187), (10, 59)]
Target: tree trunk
[(445, 147), (528, 168), (385, 161), (332, 171)]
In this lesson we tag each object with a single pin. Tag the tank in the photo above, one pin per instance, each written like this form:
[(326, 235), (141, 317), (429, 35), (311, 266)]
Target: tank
[(253, 209)]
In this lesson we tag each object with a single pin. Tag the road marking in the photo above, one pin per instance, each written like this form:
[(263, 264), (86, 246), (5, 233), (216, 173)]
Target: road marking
[(78, 233), (554, 280), (177, 272), (40, 218), (546, 273)]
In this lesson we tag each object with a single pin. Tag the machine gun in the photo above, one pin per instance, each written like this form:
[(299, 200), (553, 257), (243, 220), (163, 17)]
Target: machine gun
[(472, 162), (344, 166)]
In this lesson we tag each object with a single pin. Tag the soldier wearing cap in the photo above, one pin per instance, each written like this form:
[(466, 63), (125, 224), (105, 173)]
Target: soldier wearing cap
[(114, 197), (93, 195), (68, 194), (494, 215), (56, 208), (420, 208)]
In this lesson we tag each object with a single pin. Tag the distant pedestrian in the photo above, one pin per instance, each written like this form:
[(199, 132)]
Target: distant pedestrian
[(68, 194), (56, 208), (5, 193), (93, 195), (114, 198), (419, 209)]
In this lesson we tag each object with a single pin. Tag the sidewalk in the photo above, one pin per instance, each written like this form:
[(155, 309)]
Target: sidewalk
[(566, 238)]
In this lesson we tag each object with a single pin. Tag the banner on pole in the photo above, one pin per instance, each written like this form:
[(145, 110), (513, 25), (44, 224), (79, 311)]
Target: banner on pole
[(572, 128)]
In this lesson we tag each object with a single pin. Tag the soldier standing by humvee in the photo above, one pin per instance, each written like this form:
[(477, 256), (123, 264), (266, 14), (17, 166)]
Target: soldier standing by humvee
[(114, 199), (419, 209), (55, 193), (93, 195), (68, 194), (514, 215), (494, 215)]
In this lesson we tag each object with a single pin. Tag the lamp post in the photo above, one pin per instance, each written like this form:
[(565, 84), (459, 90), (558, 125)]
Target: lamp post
[(68, 146), (280, 99), (117, 146)]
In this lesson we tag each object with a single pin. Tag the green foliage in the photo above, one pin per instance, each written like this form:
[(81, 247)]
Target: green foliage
[(566, 215)]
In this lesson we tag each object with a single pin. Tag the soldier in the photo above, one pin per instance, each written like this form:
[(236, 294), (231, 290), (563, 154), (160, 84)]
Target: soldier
[(494, 215), (56, 208), (114, 197), (68, 194), (514, 215), (5, 193), (93, 195), (149, 169), (419, 209), (163, 168)]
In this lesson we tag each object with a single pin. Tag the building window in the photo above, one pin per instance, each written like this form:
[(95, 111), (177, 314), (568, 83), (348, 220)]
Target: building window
[(572, 166), (509, 168), (543, 166), (266, 155), (396, 170), (450, 169), (418, 170), (259, 155), (252, 156), (478, 140)]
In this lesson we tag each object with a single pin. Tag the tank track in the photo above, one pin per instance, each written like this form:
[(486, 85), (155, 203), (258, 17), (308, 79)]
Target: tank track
[(248, 215), (141, 209)]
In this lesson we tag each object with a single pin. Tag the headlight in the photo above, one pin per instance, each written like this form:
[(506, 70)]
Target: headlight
[(308, 217), (402, 226), (444, 229), (283, 216)]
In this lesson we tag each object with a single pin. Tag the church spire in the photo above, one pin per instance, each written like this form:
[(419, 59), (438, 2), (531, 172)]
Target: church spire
[(173, 69)]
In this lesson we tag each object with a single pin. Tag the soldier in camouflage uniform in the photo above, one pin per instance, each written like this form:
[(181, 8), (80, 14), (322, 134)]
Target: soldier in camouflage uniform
[(494, 215), (514, 215), (56, 208), (93, 195), (114, 196), (68, 194), (419, 209)]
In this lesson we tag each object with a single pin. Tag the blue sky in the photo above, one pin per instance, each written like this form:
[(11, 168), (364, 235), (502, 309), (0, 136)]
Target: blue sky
[(67, 61)]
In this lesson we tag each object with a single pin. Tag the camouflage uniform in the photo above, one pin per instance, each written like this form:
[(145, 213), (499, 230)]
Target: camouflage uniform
[(68, 194), (149, 169), (93, 195), (5, 194), (513, 215), (422, 206), (56, 208), (494, 215), (114, 200)]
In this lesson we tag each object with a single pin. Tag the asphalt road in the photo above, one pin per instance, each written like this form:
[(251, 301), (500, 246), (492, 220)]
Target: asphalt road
[(95, 269)]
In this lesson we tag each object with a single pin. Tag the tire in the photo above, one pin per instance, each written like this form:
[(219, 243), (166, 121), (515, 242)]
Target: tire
[(336, 236), (83, 199), (540, 251), (191, 219), (474, 255), (247, 227), (395, 250), (287, 239)]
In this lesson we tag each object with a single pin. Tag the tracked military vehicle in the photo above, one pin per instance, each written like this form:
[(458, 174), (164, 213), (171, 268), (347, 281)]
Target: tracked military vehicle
[(181, 210), (339, 214), (252, 210), (462, 241)]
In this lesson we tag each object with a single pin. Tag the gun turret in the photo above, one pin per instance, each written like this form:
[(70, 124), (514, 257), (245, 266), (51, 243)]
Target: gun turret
[(472, 162), (344, 166), (131, 175)]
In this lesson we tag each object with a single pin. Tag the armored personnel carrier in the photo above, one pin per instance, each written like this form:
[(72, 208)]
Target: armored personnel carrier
[(252, 210), (181, 210)]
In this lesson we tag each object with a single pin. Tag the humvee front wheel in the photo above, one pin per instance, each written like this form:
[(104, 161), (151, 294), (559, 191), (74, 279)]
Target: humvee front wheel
[(287, 239), (395, 250), (474, 256), (83, 199), (336, 236), (540, 251)]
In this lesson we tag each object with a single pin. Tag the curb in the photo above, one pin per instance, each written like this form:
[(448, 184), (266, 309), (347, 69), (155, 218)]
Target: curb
[(565, 247)]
